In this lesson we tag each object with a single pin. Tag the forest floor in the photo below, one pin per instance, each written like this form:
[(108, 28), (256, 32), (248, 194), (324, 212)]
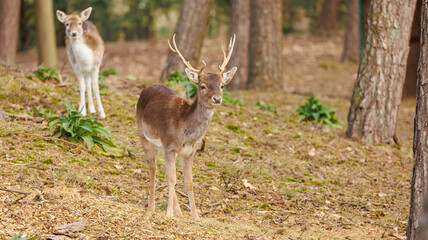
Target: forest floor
[(308, 181)]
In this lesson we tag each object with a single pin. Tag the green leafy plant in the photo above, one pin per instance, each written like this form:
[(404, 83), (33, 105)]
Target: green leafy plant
[(77, 129), (313, 110), (46, 114), (176, 77), (17, 237), (103, 85), (44, 73), (264, 107), (227, 99)]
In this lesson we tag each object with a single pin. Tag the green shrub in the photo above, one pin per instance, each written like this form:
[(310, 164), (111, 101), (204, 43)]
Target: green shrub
[(44, 73), (227, 99), (191, 89), (313, 110), (103, 85), (77, 129), (264, 107), (176, 77)]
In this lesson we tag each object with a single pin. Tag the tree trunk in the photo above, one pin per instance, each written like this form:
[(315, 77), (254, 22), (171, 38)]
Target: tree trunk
[(240, 25), (377, 92), (409, 89), (46, 33), (9, 25), (190, 31), (419, 182), (265, 44), (327, 20), (352, 35)]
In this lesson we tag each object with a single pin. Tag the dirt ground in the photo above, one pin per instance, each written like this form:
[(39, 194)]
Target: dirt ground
[(309, 181)]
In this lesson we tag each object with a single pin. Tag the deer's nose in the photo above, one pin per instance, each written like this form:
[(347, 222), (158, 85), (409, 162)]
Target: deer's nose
[(217, 99), (74, 33)]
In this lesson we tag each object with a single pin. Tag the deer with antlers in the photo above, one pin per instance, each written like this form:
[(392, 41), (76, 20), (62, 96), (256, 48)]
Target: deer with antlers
[(167, 120)]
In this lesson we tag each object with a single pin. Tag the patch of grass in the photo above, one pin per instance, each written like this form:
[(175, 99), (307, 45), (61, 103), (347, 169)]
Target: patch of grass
[(313, 110), (227, 99), (210, 164), (17, 237), (235, 150), (234, 128), (48, 161)]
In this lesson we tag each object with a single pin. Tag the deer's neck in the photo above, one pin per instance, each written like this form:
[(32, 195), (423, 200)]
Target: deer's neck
[(198, 121)]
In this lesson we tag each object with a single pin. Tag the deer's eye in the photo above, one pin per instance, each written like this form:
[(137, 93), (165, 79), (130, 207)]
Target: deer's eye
[(203, 87), (66, 24), (80, 23), (222, 86)]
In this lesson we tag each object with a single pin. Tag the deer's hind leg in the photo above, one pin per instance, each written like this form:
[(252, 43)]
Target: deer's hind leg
[(150, 151)]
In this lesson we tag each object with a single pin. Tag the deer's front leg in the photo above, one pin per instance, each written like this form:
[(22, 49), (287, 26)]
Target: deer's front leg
[(82, 88), (97, 93), (186, 163), (171, 179), (88, 81)]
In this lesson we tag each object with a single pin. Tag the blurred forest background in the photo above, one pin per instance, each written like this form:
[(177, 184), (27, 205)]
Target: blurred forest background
[(119, 20)]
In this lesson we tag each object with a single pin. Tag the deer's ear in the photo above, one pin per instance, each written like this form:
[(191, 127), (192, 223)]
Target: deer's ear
[(86, 13), (193, 76), (61, 16), (227, 76)]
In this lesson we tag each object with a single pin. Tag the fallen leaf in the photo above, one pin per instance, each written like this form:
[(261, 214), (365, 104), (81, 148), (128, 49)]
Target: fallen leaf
[(247, 184)]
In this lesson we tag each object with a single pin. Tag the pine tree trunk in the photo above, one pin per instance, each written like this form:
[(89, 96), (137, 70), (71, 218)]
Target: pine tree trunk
[(352, 35), (190, 31), (240, 25), (46, 33), (9, 25), (327, 20), (419, 182), (265, 44), (377, 92)]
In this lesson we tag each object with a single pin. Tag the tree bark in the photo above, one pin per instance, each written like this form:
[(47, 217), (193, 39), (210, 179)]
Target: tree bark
[(240, 25), (326, 23), (351, 51), (419, 182), (46, 33), (377, 92), (265, 44), (190, 30), (9, 25)]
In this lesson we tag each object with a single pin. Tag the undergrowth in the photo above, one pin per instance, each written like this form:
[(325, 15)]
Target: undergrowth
[(313, 110)]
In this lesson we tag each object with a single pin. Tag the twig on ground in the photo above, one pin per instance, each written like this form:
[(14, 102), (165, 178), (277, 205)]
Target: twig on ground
[(45, 137), (14, 191), (181, 193)]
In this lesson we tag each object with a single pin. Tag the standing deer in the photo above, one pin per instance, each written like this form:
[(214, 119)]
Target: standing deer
[(85, 50), (167, 120)]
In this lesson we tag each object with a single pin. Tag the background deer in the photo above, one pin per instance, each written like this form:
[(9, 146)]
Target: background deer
[(167, 120), (85, 50)]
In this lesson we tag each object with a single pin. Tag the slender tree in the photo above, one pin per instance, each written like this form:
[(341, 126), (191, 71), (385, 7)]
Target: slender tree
[(46, 33), (190, 30), (377, 91), (419, 182), (240, 25), (265, 44), (352, 35), (326, 23), (9, 25)]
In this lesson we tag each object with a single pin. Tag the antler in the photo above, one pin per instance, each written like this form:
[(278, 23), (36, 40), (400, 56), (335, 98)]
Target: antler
[(187, 63), (229, 53)]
